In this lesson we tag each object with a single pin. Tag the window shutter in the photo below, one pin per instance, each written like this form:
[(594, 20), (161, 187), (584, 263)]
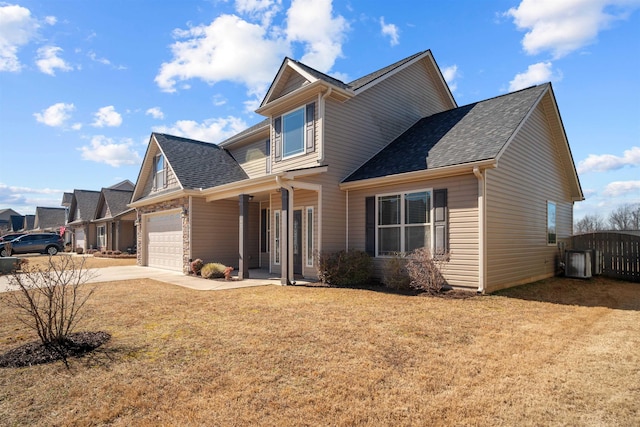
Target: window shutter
[(440, 221), (165, 173), (311, 143), (277, 129), (267, 153), (154, 179), (370, 221)]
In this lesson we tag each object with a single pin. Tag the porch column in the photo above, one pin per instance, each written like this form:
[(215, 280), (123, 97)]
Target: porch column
[(243, 267), (284, 238)]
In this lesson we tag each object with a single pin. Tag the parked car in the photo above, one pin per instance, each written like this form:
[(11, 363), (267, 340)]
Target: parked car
[(44, 243), (10, 237)]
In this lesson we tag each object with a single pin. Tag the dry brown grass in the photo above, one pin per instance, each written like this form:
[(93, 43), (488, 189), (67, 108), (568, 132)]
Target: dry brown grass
[(35, 261), (561, 352)]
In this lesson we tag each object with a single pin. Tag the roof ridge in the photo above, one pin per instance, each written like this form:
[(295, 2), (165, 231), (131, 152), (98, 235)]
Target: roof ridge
[(367, 78)]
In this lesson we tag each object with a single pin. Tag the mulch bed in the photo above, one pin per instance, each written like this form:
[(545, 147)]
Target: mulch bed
[(36, 353)]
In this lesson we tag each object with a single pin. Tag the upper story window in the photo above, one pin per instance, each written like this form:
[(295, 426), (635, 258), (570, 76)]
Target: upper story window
[(158, 171), (294, 132)]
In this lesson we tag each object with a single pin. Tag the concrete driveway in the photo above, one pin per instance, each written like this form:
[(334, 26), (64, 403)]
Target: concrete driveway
[(114, 274)]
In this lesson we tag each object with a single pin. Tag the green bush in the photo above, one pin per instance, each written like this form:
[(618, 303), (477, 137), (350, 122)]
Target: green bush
[(213, 270), (344, 268), (394, 274)]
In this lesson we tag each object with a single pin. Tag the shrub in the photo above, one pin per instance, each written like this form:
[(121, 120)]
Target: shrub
[(50, 300), (425, 271), (196, 266), (213, 270), (344, 268), (117, 252), (79, 250), (394, 273)]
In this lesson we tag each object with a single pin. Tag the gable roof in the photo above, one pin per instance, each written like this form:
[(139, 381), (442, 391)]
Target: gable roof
[(29, 222), (467, 134), (6, 214), (123, 185), (198, 164), (17, 222), (84, 201), (48, 218), (116, 201), (66, 199)]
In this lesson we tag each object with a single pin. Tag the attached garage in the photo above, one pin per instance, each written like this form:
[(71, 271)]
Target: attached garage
[(80, 238), (164, 240)]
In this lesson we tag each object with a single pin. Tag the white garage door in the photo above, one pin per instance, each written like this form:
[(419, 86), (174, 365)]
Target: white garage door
[(79, 238), (164, 241)]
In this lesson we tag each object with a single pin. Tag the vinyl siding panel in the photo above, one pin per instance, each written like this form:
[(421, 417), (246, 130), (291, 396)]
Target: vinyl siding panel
[(252, 157), (288, 83), (214, 231), (529, 174), (462, 269)]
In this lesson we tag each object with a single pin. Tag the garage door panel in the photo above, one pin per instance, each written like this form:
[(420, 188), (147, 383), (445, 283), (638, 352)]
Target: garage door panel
[(164, 241)]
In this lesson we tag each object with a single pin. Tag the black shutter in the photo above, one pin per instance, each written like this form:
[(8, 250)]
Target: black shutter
[(311, 143), (277, 129), (263, 230), (440, 221), (370, 223)]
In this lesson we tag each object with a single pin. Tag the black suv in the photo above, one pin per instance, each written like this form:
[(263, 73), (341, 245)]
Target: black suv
[(44, 243)]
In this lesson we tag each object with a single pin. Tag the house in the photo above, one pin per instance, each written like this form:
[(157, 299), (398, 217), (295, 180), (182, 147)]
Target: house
[(81, 212), (386, 163), (115, 228), (6, 223), (17, 223), (46, 220), (29, 222)]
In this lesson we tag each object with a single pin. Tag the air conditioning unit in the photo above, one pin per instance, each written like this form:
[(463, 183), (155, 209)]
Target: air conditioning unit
[(596, 262), (578, 264)]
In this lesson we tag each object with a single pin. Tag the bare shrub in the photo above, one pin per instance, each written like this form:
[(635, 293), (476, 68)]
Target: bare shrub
[(50, 300), (79, 250), (213, 270), (196, 266), (425, 271), (394, 272), (344, 268)]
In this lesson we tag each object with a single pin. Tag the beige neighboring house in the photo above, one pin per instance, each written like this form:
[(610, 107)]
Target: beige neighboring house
[(386, 163), (115, 222), (81, 213), (46, 220)]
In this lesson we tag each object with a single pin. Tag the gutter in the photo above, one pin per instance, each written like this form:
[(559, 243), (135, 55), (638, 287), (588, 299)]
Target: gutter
[(481, 230)]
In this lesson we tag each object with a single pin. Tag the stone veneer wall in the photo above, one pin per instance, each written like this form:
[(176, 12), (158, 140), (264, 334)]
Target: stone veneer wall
[(182, 203)]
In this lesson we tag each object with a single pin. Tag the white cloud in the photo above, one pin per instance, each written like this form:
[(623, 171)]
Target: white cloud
[(227, 49), (608, 162), (105, 150), (311, 22), (155, 112), (450, 74), (618, 188), (48, 60), (94, 57), (17, 28), (211, 130), (541, 72), (565, 26), (390, 30), (107, 116), (51, 20), (56, 115), (264, 10)]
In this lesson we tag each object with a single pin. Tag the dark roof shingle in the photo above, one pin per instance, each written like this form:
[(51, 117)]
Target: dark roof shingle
[(465, 134)]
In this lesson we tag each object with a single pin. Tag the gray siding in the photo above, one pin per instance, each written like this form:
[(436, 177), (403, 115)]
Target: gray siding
[(462, 269), (529, 173)]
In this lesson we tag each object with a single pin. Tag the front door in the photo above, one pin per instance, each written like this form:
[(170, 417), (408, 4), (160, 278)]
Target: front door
[(297, 241)]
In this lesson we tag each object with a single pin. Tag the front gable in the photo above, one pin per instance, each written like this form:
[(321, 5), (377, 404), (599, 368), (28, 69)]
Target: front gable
[(145, 184)]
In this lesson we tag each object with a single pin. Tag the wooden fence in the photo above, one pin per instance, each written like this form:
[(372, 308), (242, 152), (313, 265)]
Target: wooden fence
[(619, 252)]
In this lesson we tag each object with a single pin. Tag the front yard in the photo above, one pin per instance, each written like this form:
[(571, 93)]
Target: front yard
[(560, 352)]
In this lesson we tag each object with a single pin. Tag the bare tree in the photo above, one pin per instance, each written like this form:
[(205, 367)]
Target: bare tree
[(625, 217), (590, 224)]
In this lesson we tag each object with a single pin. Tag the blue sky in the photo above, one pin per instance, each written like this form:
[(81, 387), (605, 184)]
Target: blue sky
[(84, 83)]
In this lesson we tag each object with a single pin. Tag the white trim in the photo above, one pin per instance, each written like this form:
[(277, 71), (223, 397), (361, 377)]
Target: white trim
[(482, 240), (309, 236), (277, 237), (304, 133)]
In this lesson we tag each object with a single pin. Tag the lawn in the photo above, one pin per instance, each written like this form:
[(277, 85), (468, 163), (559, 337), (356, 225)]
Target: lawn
[(559, 352)]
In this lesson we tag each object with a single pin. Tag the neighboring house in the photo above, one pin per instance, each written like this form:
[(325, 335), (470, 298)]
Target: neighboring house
[(115, 228), (386, 163), (17, 223), (67, 236), (81, 213), (29, 222), (46, 220), (5, 220)]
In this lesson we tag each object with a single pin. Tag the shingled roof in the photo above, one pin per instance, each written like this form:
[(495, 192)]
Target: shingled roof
[(116, 201), (467, 134), (48, 218), (198, 164), (86, 202)]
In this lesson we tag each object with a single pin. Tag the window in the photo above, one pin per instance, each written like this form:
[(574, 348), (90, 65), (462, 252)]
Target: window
[(102, 236), (158, 171), (265, 230), (310, 237), (551, 223), (276, 237), (293, 131), (403, 222)]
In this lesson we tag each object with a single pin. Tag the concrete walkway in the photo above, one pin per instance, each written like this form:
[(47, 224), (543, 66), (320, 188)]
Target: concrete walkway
[(114, 274)]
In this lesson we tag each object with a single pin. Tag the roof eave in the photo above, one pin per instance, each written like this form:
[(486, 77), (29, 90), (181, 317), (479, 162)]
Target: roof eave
[(336, 92), (442, 172), (164, 197)]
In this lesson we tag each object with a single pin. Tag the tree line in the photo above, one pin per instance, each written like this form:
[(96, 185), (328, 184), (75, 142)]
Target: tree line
[(625, 217)]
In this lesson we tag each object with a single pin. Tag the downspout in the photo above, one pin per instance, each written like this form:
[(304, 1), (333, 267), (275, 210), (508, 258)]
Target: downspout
[(481, 230), (321, 129), (289, 228)]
